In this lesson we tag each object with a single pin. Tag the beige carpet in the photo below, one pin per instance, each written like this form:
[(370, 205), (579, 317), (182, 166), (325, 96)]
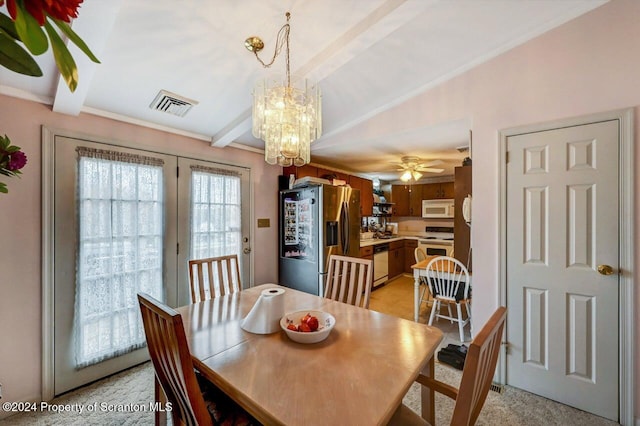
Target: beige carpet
[(135, 387)]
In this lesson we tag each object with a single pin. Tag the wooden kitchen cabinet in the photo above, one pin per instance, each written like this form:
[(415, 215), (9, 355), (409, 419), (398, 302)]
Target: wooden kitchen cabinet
[(400, 200), (366, 197), (366, 194), (439, 190), (415, 200), (366, 252), (409, 255), (461, 231), (300, 172), (407, 200), (364, 185), (396, 258)]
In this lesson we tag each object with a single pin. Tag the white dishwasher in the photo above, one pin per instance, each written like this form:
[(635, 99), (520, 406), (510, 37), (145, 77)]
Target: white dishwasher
[(380, 264)]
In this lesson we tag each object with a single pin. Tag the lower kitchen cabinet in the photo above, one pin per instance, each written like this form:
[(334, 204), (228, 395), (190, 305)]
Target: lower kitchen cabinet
[(409, 255), (396, 258), (366, 252)]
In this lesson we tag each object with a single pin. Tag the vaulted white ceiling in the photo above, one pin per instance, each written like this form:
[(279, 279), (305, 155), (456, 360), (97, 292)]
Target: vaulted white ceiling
[(369, 56)]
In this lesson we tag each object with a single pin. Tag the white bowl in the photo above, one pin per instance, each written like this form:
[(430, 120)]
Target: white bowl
[(326, 322)]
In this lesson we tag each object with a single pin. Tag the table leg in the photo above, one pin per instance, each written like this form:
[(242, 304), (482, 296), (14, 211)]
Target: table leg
[(428, 396), (416, 295)]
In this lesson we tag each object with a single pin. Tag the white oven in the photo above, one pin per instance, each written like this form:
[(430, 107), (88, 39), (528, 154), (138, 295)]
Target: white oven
[(436, 247), (437, 208)]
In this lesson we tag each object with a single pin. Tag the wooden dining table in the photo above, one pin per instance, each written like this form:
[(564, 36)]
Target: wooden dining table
[(357, 376), (420, 270)]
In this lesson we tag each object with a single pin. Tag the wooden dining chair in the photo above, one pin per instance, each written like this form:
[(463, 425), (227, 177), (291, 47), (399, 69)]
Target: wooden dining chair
[(194, 400), (448, 281), (349, 280), (478, 372), (214, 277)]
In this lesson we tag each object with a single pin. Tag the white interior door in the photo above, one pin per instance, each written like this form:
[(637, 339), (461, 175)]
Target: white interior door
[(214, 217), (562, 226), (113, 238)]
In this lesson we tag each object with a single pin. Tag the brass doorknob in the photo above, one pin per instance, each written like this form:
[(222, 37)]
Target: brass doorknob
[(605, 269)]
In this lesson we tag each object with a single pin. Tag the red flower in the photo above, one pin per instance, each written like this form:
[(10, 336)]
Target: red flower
[(62, 10), (17, 160)]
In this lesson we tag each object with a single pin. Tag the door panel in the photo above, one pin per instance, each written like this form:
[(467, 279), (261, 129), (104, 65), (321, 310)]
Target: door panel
[(118, 259), (222, 214), (105, 266), (562, 222)]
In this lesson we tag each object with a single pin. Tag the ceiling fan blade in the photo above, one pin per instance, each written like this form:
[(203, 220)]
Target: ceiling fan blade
[(431, 163), (430, 170)]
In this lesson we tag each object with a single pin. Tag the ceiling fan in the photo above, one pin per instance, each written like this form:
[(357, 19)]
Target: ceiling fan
[(413, 167)]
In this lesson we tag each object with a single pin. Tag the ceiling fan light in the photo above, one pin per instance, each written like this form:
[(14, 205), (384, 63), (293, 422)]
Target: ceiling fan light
[(416, 175), (406, 176)]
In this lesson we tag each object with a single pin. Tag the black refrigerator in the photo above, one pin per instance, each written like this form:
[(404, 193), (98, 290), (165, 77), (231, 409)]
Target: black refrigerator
[(316, 221)]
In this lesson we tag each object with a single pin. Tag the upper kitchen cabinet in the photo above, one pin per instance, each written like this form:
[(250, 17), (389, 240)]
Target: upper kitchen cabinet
[(300, 172), (434, 191), (407, 200), (325, 174), (366, 194), (364, 185)]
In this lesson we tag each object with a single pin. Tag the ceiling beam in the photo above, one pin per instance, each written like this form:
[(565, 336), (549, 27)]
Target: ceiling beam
[(94, 25), (387, 18)]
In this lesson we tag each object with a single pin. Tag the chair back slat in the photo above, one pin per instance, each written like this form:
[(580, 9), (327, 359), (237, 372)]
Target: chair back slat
[(214, 277), (479, 368), (172, 363), (349, 280), (445, 275)]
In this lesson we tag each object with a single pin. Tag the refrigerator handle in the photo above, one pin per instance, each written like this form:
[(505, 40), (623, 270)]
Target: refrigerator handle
[(345, 228)]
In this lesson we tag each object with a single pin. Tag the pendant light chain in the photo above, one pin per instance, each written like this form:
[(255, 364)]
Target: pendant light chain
[(282, 39)]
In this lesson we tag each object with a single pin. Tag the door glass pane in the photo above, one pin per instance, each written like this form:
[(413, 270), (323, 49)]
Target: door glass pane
[(120, 254), (215, 214)]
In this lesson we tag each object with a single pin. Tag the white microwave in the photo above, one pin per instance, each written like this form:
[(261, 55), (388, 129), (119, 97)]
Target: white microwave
[(437, 208)]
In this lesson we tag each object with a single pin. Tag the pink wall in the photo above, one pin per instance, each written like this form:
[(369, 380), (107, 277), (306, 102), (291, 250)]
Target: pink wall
[(20, 230), (586, 66)]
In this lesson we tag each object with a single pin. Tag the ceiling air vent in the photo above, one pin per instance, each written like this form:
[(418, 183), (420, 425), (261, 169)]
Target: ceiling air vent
[(171, 103)]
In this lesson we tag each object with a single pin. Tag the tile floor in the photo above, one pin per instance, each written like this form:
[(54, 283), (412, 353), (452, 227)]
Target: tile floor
[(396, 298)]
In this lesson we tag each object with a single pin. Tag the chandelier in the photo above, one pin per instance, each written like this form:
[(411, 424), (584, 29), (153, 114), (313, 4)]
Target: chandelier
[(287, 113)]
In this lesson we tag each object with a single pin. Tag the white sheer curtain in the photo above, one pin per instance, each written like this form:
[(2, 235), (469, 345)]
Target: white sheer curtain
[(215, 212), (120, 252)]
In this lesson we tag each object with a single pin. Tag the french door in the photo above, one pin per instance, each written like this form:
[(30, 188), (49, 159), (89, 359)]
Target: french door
[(117, 231)]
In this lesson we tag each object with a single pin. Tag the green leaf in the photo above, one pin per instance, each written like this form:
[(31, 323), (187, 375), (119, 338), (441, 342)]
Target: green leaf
[(12, 149), (66, 29), (64, 60), (7, 25), (4, 141), (15, 58), (30, 32), (3, 188)]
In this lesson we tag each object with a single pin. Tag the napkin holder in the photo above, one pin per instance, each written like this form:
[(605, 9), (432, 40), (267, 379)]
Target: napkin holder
[(264, 317)]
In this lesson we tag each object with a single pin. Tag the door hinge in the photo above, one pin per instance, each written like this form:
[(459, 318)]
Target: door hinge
[(177, 171), (506, 156), (507, 347), (178, 248)]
